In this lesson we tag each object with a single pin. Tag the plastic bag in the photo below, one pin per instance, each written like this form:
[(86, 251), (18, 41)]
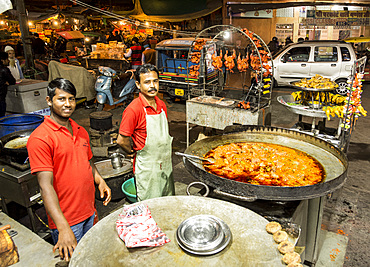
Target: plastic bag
[(137, 228)]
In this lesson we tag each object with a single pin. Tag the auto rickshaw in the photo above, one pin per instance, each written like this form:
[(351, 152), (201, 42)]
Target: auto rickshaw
[(176, 79)]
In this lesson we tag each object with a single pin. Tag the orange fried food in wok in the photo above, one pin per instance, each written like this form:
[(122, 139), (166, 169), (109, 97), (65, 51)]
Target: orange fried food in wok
[(264, 164)]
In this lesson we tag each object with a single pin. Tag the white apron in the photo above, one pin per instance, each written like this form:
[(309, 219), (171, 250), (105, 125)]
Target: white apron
[(153, 164)]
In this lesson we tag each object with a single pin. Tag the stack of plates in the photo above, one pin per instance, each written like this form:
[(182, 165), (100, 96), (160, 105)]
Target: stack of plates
[(203, 235)]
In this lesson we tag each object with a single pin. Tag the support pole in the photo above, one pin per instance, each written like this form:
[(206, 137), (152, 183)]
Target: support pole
[(26, 40)]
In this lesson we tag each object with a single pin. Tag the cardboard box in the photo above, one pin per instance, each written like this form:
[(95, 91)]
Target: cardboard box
[(26, 96)]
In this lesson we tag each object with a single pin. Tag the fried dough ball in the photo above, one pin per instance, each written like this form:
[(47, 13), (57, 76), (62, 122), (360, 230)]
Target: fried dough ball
[(273, 227), (291, 257), (294, 264), (285, 247), (280, 236)]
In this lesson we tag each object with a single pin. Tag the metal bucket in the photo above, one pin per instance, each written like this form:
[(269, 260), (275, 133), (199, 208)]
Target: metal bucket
[(114, 178)]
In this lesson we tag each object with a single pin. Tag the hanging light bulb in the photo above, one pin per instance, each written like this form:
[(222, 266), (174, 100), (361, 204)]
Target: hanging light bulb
[(226, 35), (147, 23), (30, 23), (55, 23), (2, 22), (87, 39)]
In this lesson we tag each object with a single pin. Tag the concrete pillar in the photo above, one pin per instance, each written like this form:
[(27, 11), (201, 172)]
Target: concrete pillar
[(295, 24), (330, 32)]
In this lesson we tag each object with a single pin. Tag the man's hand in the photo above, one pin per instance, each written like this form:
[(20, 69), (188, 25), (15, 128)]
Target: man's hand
[(125, 143), (131, 155), (66, 243), (105, 191), (102, 186), (66, 240)]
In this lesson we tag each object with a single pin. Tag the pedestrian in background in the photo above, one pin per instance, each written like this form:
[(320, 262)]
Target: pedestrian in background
[(38, 46), (148, 55), (135, 52), (273, 45), (6, 78), (288, 40), (14, 66)]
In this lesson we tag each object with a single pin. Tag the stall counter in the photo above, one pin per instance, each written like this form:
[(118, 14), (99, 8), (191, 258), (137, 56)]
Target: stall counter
[(32, 249)]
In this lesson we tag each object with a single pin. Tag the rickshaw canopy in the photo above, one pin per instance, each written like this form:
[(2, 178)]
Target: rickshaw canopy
[(71, 35), (357, 40)]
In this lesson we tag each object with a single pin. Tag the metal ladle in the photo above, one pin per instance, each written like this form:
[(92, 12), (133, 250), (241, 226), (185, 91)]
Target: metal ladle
[(210, 160)]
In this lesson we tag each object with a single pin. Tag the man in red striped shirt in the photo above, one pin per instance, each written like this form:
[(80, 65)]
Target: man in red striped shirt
[(135, 52)]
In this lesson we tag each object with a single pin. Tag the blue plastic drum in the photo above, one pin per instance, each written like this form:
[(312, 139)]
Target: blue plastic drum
[(18, 122)]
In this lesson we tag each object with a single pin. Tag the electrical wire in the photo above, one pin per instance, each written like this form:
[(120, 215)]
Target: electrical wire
[(41, 220), (135, 22)]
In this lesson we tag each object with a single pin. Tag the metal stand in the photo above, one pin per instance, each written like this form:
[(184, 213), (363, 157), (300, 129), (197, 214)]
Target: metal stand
[(338, 137), (30, 212), (3, 205), (258, 94), (350, 118), (32, 218), (20, 187)]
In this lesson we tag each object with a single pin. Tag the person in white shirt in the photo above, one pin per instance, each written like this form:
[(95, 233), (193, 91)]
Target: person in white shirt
[(14, 66)]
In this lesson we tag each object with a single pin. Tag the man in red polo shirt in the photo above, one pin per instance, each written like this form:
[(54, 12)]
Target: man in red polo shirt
[(60, 156), (145, 121)]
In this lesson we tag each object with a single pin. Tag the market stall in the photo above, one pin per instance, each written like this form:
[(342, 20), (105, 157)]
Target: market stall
[(69, 35), (116, 64), (301, 205), (107, 55), (315, 100)]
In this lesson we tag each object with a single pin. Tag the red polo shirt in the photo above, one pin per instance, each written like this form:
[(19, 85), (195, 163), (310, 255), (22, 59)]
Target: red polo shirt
[(51, 147), (134, 122)]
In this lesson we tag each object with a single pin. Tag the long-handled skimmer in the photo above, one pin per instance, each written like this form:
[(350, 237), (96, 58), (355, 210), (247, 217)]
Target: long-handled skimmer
[(209, 160)]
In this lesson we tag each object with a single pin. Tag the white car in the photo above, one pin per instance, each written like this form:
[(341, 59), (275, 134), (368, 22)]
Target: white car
[(330, 59)]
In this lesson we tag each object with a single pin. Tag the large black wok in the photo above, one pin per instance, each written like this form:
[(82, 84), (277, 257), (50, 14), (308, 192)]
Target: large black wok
[(332, 159), (17, 154)]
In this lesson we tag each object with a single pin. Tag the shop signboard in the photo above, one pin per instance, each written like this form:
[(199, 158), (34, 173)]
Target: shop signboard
[(338, 18), (267, 13)]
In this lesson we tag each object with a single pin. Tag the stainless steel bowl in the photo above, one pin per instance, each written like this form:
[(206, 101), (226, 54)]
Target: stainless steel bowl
[(203, 235)]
